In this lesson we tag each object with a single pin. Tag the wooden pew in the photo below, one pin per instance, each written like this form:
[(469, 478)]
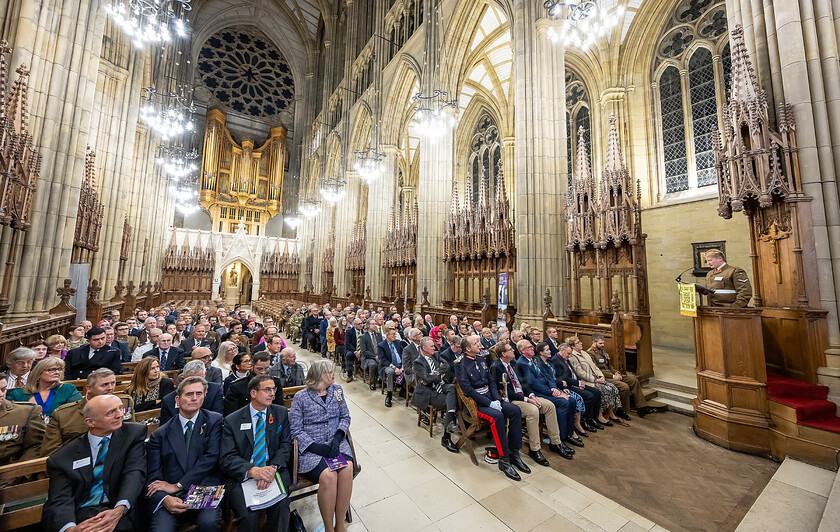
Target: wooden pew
[(19, 334), (24, 502)]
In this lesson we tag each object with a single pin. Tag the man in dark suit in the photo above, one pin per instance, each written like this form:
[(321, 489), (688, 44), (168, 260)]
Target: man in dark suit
[(567, 377), (431, 390), (96, 479), (238, 395), (170, 357), (213, 399), (368, 346), (269, 332), (257, 444), (390, 361), (81, 361), (211, 373), (148, 324), (122, 347), (310, 329), (552, 339), (182, 452), (287, 369), (411, 351), (351, 348), (199, 339), (450, 355)]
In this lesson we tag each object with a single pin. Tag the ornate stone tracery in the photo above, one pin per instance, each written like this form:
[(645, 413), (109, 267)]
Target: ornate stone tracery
[(90, 213)]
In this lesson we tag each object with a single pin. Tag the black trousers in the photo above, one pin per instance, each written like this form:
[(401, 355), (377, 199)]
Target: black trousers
[(591, 399), (350, 362), (310, 340), (163, 521), (339, 354), (277, 516), (447, 399), (506, 426)]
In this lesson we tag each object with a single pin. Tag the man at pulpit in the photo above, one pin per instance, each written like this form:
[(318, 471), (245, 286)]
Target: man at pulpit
[(730, 284)]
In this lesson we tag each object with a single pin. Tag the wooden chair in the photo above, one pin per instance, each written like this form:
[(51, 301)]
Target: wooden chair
[(142, 417), (289, 394), (301, 483), (433, 413), (469, 423), (22, 503)]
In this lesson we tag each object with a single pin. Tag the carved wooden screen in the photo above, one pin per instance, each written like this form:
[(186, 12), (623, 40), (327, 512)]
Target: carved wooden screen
[(400, 254), (189, 270), (90, 213), (328, 265), (355, 261), (279, 271)]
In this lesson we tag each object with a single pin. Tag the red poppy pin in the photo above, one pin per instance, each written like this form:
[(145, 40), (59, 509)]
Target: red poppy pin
[(270, 419), (202, 428)]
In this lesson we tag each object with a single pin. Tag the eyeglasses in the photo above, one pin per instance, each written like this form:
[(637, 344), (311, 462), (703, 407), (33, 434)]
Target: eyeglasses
[(53, 370), (269, 390)]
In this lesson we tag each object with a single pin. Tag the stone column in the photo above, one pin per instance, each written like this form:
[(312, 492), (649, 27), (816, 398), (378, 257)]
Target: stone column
[(380, 199), (345, 220), (541, 163), (433, 201)]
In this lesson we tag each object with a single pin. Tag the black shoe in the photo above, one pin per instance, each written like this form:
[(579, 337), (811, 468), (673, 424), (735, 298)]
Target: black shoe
[(564, 446), (642, 411), (597, 424), (448, 445), (424, 419), (388, 399), (562, 449), (450, 427), (588, 425), (517, 462), (507, 469), (538, 457), (607, 424), (574, 440), (373, 386), (623, 415)]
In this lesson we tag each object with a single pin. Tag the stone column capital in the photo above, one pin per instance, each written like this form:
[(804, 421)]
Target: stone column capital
[(542, 25)]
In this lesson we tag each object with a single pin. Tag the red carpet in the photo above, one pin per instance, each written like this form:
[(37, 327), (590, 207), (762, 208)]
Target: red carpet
[(809, 401)]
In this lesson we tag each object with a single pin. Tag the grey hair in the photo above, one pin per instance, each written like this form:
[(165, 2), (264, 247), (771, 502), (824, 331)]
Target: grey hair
[(99, 373), (21, 353), (563, 346), (426, 340), (316, 372), (194, 367), (188, 381)]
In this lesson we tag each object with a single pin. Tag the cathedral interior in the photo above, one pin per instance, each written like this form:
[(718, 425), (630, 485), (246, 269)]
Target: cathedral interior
[(564, 165)]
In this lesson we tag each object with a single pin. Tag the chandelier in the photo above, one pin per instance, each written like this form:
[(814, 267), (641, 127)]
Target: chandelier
[(435, 115), (168, 115), (369, 165), (309, 208), (186, 199), (582, 21), (332, 190), (150, 21), (293, 221), (178, 161)]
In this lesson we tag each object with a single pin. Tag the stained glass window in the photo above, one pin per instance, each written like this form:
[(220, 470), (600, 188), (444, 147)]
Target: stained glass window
[(673, 130), (701, 78)]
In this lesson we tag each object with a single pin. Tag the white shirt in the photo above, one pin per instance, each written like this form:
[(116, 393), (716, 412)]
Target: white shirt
[(13, 379), (225, 368), (185, 420), (141, 351)]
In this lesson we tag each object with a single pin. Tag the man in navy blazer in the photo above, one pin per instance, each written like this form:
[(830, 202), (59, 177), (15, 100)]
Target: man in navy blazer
[(122, 347), (213, 399), (182, 452), (351, 348), (170, 357), (81, 361), (390, 352)]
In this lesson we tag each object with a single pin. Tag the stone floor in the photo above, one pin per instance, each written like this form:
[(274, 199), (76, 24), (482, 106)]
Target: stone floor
[(674, 366), (667, 476)]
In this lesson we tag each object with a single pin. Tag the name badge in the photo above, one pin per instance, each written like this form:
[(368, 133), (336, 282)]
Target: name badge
[(81, 463), (245, 426), (601, 360), (718, 278)]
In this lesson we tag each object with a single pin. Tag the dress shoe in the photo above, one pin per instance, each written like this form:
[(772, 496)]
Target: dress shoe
[(582, 433), (446, 441), (349, 379), (588, 425), (562, 449), (645, 410), (507, 469), (574, 440), (388, 399), (564, 446), (373, 386), (597, 424), (517, 462), (538, 457), (623, 415), (450, 427), (606, 424)]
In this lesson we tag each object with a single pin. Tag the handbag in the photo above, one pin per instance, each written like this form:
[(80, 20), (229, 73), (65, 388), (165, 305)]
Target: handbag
[(296, 522)]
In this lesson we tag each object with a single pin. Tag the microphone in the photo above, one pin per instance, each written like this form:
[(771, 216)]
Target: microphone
[(679, 277)]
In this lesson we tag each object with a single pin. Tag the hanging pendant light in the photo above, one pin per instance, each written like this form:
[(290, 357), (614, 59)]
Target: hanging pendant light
[(150, 21), (581, 22), (369, 165)]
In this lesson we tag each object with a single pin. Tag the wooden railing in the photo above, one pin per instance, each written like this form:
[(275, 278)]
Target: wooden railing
[(18, 334)]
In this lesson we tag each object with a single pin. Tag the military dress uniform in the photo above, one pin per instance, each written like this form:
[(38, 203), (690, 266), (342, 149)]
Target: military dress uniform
[(21, 431), (731, 285), (68, 421), (627, 385)]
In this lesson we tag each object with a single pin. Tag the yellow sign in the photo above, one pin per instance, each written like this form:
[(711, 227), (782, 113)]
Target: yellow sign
[(688, 299)]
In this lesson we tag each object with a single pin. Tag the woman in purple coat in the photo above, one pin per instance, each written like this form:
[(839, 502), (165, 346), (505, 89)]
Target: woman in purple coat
[(319, 420)]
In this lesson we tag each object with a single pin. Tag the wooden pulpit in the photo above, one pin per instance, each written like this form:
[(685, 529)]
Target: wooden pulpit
[(731, 407)]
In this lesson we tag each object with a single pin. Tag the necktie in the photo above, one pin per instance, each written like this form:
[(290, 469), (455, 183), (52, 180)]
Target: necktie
[(394, 355), (260, 456), (188, 435), (18, 382), (288, 373), (513, 379), (439, 385), (98, 490), (163, 360)]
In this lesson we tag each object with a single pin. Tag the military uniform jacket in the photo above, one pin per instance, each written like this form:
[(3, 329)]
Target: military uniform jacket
[(21, 431), (474, 378), (67, 422), (731, 285), (603, 361)]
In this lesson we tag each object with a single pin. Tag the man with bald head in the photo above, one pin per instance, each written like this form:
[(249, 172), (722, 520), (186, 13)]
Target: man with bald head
[(96, 479), (170, 357), (212, 373), (287, 369)]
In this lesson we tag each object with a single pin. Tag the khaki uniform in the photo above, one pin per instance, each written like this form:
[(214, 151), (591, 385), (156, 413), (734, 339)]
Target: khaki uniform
[(293, 328), (732, 287), (21, 431), (627, 385), (132, 342), (67, 422)]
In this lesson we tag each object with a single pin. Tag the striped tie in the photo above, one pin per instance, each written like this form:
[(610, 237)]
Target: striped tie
[(260, 456), (97, 490)]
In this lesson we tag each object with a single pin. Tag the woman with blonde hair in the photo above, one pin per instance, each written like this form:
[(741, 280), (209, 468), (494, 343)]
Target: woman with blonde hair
[(420, 323), (148, 386), (56, 346), (332, 325), (44, 387), (589, 373), (224, 358)]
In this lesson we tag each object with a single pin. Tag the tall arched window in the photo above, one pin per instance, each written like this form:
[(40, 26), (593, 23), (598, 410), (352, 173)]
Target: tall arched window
[(692, 54), (485, 156), (577, 116)]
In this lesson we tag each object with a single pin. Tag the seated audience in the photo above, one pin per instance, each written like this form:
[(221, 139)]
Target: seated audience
[(274, 346), (566, 376), (624, 382), (148, 386), (368, 343), (589, 373), (257, 444), (507, 379), (320, 420), (224, 357), (96, 480), (212, 373), (267, 336), (45, 389), (432, 390), (170, 357), (338, 337), (575, 400), (389, 353), (68, 421), (241, 368), (39, 347), (197, 339), (111, 340), (172, 330), (56, 346), (96, 354), (213, 399), (287, 369), (450, 355), (505, 419), (77, 337), (23, 424), (183, 452), (152, 336), (487, 338), (352, 352), (19, 365), (238, 392), (410, 353)]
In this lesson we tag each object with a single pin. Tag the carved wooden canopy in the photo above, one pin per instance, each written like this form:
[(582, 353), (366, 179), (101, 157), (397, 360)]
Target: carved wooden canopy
[(400, 242), (91, 210), (328, 265), (355, 260), (279, 263), (189, 259)]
